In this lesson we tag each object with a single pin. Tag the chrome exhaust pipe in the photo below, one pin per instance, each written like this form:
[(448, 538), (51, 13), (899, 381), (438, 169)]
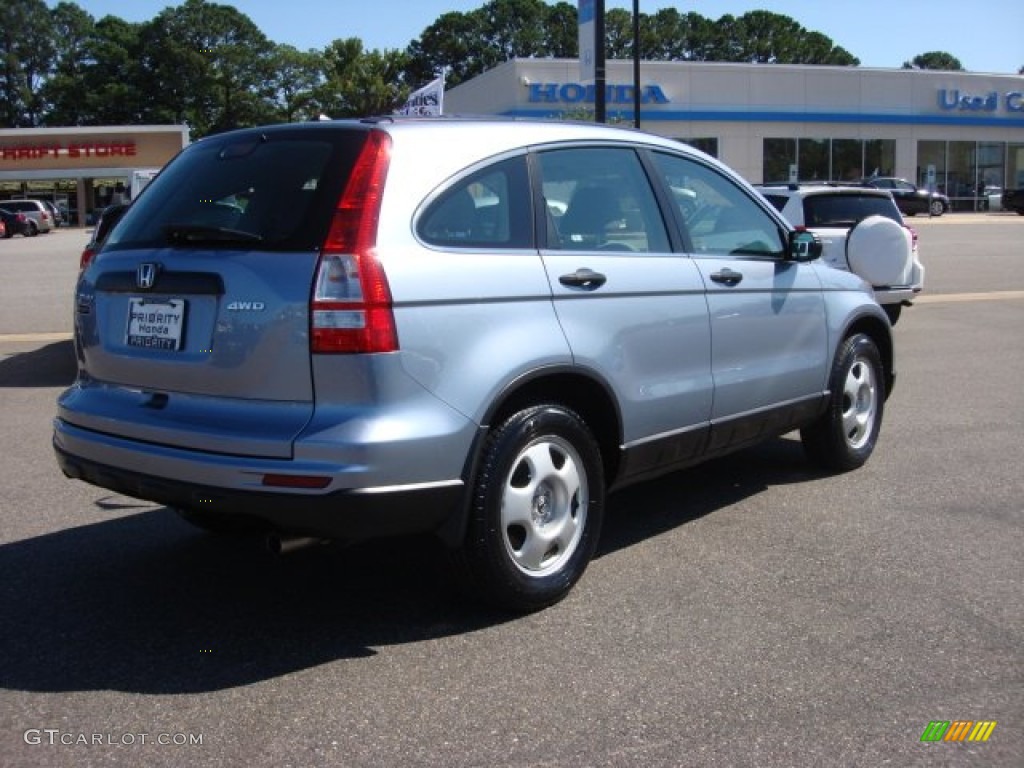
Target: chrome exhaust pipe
[(279, 544)]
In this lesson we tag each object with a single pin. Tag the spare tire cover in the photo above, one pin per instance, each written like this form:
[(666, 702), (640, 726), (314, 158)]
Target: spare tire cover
[(880, 251)]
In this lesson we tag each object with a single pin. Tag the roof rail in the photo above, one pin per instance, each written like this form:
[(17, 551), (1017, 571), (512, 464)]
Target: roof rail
[(797, 184)]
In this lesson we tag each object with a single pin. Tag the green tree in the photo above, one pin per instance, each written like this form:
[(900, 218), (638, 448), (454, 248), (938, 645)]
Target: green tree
[(663, 36), (935, 60), (562, 31), (295, 80), (26, 59), (466, 44), (74, 31), (763, 37), (361, 83), (618, 34), (113, 80), (470, 43), (514, 29), (453, 43), (208, 65), (687, 38)]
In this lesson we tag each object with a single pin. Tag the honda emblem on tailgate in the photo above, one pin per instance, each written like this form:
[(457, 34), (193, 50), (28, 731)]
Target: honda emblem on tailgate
[(146, 275)]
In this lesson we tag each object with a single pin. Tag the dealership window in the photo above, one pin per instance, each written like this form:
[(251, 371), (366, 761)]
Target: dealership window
[(1015, 166), (991, 162), (970, 172), (828, 159), (779, 155), (813, 159), (879, 157), (707, 145), (847, 159), (960, 172), (931, 157)]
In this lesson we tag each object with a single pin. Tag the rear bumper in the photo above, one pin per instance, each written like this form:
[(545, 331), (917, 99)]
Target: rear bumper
[(903, 294), (349, 514), (899, 295)]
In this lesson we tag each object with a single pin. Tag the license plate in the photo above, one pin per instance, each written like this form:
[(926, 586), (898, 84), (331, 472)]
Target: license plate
[(155, 323)]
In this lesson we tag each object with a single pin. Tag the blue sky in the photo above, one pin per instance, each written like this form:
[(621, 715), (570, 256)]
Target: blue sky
[(986, 37)]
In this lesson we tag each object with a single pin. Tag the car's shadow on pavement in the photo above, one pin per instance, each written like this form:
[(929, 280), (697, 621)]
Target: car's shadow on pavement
[(145, 603), (53, 365)]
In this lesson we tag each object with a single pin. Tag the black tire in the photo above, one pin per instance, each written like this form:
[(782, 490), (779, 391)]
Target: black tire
[(936, 208), (893, 311), (537, 507), (844, 437), (33, 229)]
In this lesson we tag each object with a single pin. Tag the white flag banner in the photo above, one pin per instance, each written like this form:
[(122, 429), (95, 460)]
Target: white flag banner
[(585, 17), (428, 100)]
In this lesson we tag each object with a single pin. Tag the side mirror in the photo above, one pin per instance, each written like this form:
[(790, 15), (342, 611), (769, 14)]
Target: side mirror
[(804, 246)]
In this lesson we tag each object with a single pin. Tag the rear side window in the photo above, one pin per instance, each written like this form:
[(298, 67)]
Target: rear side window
[(488, 209), (845, 210), (778, 201), (259, 191), (599, 198)]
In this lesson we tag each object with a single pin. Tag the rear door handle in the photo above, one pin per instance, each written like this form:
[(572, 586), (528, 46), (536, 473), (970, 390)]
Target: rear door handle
[(584, 278), (727, 277)]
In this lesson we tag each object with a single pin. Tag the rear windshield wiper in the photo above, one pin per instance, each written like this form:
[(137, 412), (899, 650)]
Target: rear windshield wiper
[(836, 224), (193, 234)]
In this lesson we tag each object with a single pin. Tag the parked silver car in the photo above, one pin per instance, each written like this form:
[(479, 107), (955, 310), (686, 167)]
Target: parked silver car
[(472, 328), (39, 216)]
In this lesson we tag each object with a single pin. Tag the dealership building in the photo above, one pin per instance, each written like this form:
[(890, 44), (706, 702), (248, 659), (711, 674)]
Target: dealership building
[(82, 169), (959, 132)]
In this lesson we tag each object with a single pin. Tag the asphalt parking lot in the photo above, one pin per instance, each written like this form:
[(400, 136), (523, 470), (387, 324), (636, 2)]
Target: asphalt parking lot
[(749, 612)]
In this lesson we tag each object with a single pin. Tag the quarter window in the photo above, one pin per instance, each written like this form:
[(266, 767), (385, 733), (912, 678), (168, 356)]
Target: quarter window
[(489, 209)]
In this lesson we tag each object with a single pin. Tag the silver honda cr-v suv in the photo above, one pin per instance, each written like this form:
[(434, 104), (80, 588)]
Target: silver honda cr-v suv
[(472, 328)]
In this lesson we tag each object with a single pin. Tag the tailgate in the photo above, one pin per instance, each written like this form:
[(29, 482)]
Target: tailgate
[(192, 322), (201, 358)]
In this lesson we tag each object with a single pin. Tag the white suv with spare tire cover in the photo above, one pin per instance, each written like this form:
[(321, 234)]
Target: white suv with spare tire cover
[(861, 231)]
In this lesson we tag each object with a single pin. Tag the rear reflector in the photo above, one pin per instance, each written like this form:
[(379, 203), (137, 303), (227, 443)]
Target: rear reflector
[(296, 481)]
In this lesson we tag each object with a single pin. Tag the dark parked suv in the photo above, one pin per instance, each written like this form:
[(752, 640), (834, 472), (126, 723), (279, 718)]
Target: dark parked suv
[(470, 328), (1013, 200)]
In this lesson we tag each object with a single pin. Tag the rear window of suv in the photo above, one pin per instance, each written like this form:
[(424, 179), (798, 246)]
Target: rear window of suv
[(845, 210), (26, 206), (271, 191)]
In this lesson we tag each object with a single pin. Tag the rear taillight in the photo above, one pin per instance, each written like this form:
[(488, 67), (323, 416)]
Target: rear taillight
[(351, 306), (913, 236), (85, 258)]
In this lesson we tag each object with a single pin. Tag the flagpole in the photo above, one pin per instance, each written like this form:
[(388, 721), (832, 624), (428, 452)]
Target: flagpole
[(599, 63), (636, 63)]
